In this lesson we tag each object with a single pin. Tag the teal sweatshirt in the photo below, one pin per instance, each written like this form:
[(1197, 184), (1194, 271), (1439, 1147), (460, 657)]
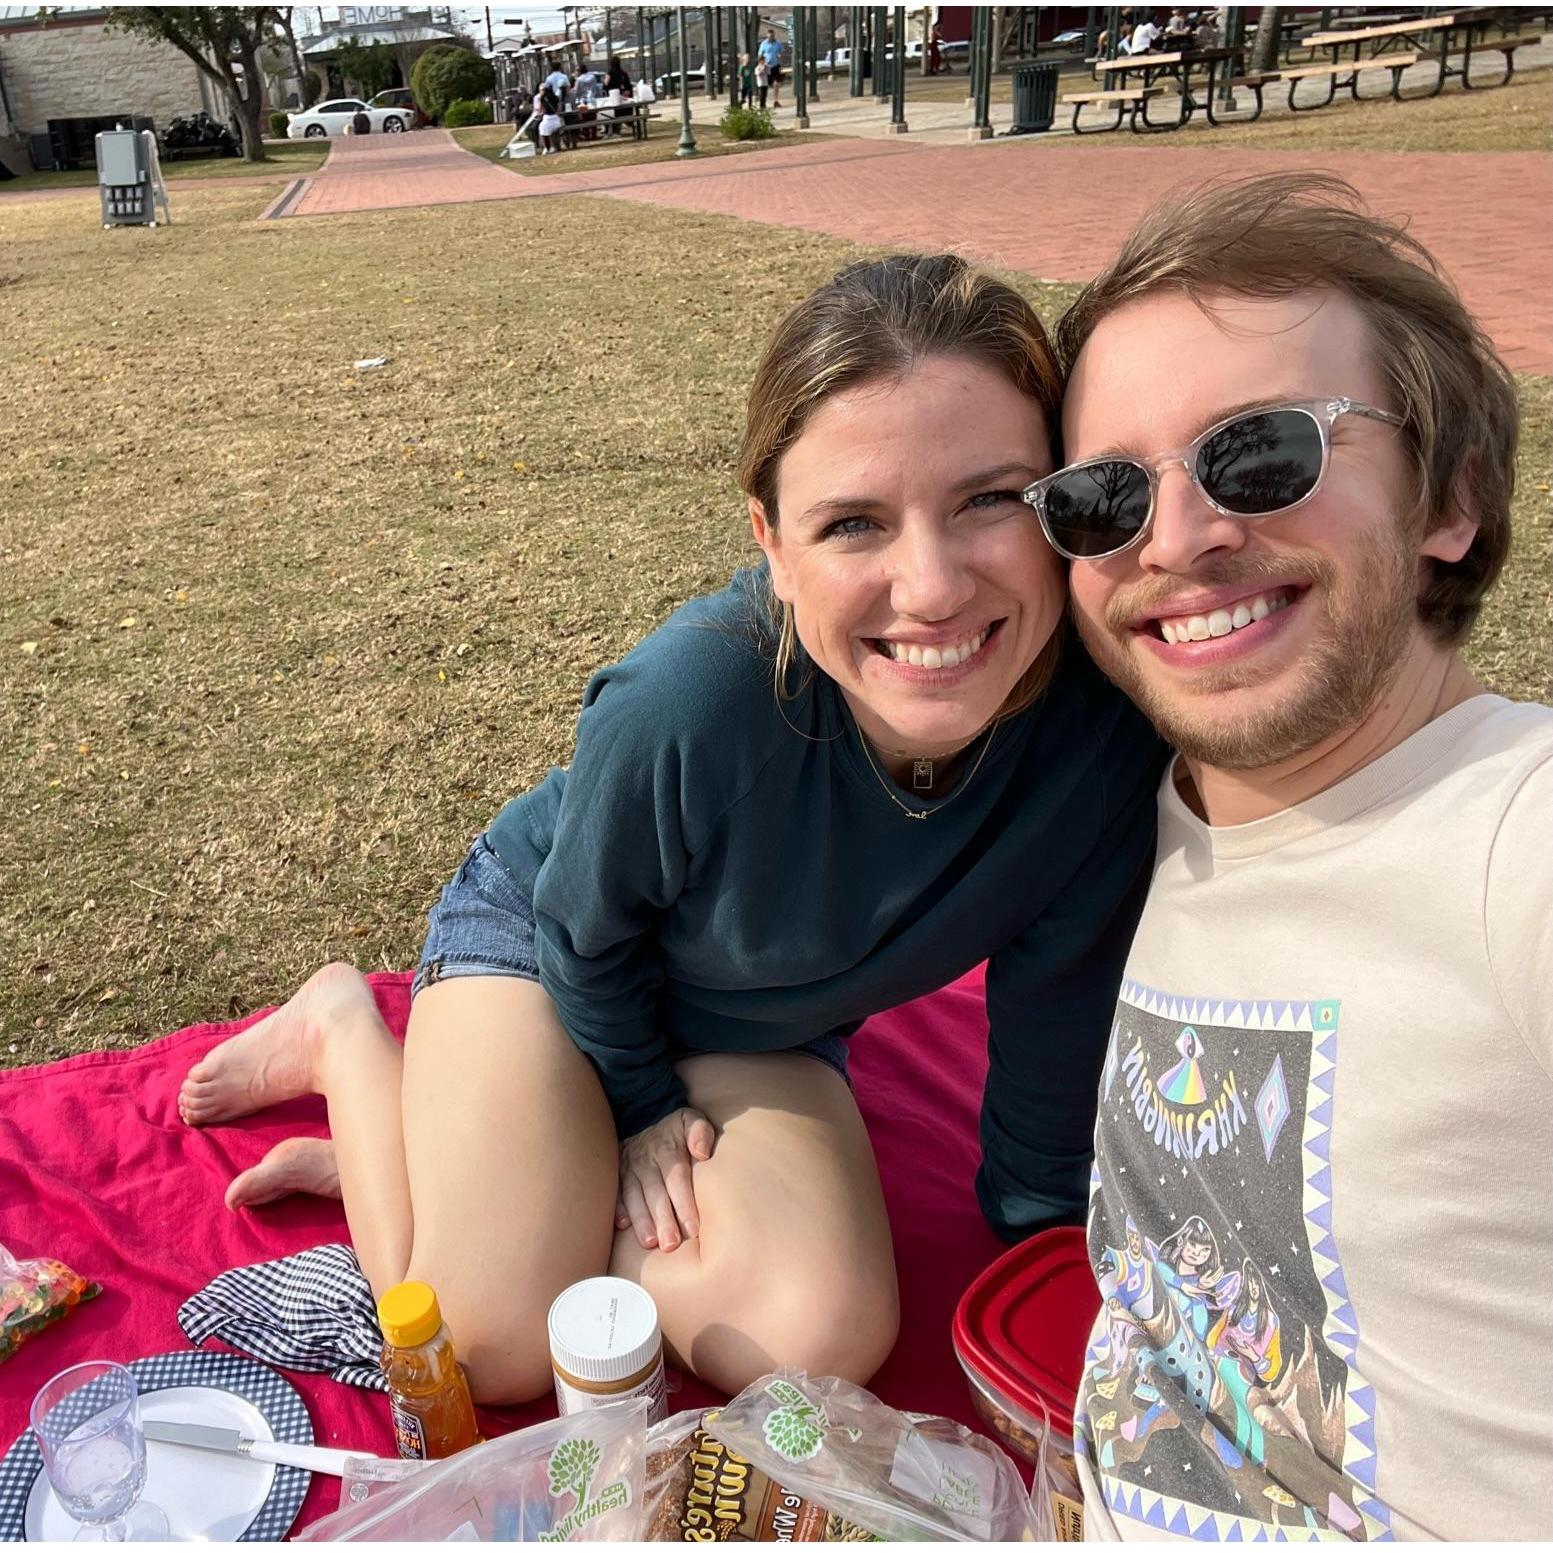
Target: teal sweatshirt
[(720, 872)]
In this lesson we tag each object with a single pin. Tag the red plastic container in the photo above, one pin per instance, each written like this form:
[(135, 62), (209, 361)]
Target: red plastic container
[(1020, 1333)]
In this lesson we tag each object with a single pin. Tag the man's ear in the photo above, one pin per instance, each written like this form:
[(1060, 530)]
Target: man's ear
[(769, 537), (1452, 539)]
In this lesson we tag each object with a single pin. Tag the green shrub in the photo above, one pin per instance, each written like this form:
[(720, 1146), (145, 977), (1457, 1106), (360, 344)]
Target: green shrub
[(466, 110), (746, 124), (446, 73), (278, 125)]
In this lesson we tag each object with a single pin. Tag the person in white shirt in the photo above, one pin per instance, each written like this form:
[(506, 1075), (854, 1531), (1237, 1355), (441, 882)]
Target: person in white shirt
[(1143, 36), (1321, 1211)]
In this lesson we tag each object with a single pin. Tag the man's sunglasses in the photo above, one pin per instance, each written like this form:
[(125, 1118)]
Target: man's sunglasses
[(1248, 466)]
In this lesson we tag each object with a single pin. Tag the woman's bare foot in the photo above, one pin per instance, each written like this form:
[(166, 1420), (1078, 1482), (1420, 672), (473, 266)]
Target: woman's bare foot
[(276, 1059), (295, 1165)]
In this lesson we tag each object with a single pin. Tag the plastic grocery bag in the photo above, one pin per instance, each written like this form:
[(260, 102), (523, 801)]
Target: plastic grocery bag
[(575, 1479), (698, 1490), (33, 1294), (903, 1477)]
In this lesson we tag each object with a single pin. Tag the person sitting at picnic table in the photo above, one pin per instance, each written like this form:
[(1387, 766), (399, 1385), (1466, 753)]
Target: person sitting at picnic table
[(1144, 36), (586, 89), (1205, 35), (771, 51), (1177, 34), (851, 775)]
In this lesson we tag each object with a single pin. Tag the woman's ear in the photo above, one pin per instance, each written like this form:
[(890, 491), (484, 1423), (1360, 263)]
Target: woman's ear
[(769, 537)]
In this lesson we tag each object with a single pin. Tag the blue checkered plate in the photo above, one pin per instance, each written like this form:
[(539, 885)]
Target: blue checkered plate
[(206, 1496)]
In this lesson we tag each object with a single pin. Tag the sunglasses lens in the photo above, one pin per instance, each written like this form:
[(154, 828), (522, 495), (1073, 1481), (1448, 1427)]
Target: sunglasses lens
[(1262, 463), (1098, 508)]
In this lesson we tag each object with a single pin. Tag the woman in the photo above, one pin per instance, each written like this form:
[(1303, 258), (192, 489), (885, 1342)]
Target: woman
[(550, 122), (836, 785)]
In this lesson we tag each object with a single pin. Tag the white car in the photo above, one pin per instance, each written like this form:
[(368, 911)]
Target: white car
[(330, 118)]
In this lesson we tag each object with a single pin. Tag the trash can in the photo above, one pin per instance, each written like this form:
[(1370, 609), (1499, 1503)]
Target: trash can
[(1035, 97)]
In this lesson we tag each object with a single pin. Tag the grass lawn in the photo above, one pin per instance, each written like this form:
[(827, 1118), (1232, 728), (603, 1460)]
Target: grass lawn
[(279, 638), (283, 159), (660, 145)]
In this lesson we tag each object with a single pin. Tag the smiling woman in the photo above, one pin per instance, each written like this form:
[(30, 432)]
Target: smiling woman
[(627, 1047)]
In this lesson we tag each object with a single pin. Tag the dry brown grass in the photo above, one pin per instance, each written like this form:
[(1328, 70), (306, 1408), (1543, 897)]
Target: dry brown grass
[(280, 637)]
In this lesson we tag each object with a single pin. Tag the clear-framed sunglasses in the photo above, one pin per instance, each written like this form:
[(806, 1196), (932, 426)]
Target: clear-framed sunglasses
[(1250, 465)]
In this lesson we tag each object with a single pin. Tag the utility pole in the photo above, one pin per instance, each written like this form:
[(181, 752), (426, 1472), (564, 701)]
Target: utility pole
[(800, 71)]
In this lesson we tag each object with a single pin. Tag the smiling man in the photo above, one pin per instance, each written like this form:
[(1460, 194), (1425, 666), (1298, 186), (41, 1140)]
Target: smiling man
[(1326, 1114)]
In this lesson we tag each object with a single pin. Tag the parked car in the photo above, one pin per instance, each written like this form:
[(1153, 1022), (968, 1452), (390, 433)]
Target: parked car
[(330, 118), (667, 85), (398, 99), (1073, 38)]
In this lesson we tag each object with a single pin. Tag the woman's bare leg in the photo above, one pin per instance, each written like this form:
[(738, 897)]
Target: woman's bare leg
[(794, 1264), (513, 1169), (481, 1158)]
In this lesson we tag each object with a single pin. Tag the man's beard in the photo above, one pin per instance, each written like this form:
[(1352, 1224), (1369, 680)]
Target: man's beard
[(1368, 621)]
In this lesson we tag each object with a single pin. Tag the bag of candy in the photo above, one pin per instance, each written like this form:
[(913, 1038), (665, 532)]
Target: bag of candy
[(903, 1477), (34, 1293)]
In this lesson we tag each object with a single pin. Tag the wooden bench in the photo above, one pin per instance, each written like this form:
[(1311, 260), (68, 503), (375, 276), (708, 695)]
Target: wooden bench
[(1350, 68), (1122, 99)]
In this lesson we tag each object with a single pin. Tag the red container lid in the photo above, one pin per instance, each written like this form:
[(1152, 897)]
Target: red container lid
[(1024, 1324)]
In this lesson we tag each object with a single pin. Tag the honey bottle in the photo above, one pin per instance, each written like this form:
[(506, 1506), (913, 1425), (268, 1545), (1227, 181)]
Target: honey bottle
[(428, 1393)]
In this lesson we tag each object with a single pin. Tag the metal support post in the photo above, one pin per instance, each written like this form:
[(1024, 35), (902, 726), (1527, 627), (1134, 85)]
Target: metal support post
[(812, 27), (854, 51), (800, 70), (881, 43), (687, 141), (708, 51), (973, 63), (981, 129), (732, 51), (1091, 30), (898, 78)]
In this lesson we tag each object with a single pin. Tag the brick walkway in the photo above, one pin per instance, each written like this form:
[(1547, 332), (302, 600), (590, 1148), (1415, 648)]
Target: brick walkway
[(1015, 203)]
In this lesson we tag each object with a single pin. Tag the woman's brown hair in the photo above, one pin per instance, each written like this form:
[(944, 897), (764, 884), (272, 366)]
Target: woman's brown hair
[(1279, 233), (876, 320)]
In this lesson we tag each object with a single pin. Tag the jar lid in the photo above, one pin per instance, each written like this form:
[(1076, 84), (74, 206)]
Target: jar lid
[(409, 1314), (1024, 1324), (604, 1329)]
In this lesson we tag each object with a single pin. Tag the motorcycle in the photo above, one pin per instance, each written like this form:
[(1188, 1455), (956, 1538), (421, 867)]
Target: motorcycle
[(199, 135)]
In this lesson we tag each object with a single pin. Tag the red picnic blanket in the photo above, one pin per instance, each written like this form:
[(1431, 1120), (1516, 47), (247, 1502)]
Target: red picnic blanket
[(97, 1169)]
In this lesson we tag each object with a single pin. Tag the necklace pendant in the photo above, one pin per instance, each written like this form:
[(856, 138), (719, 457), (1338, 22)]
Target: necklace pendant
[(917, 814), (922, 774)]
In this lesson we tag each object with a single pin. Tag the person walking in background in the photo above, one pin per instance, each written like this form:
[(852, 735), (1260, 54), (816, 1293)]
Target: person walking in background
[(550, 121), (747, 83), (771, 52), (935, 50)]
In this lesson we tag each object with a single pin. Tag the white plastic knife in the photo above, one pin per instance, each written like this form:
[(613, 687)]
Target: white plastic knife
[(230, 1442)]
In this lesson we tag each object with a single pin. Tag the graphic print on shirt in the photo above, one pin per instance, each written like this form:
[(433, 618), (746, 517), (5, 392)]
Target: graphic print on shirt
[(1220, 1398)]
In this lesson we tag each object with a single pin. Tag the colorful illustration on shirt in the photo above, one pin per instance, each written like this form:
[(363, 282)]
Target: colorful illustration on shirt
[(1220, 1398)]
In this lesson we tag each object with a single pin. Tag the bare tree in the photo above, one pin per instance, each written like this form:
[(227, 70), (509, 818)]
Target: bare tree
[(307, 82), (1269, 27)]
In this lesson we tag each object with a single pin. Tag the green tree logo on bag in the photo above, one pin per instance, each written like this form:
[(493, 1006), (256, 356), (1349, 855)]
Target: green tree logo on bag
[(573, 1465), (796, 1429)]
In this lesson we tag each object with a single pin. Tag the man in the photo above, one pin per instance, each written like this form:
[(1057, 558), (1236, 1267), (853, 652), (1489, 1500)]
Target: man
[(1143, 35), (1331, 1069), (560, 83), (771, 51)]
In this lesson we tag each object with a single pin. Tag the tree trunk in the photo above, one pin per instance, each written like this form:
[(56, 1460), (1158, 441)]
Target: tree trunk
[(927, 34), (1264, 54), (250, 109), (306, 83), (997, 37)]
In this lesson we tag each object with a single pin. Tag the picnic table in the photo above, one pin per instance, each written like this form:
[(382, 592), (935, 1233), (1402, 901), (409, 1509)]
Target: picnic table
[(611, 118), (1433, 38), (1182, 67)]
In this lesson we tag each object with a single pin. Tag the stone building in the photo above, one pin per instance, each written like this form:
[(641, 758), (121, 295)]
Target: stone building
[(65, 64)]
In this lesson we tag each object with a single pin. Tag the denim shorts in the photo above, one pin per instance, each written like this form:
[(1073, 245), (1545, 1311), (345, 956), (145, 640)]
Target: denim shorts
[(483, 925)]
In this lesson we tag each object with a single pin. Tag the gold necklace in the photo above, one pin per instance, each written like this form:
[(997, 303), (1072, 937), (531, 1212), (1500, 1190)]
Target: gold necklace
[(906, 809), (922, 765)]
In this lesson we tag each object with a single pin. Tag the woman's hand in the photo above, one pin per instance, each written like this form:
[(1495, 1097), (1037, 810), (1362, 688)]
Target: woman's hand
[(657, 1199)]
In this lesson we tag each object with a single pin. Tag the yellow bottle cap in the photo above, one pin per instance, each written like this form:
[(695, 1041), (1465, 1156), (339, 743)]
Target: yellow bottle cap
[(409, 1314)]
